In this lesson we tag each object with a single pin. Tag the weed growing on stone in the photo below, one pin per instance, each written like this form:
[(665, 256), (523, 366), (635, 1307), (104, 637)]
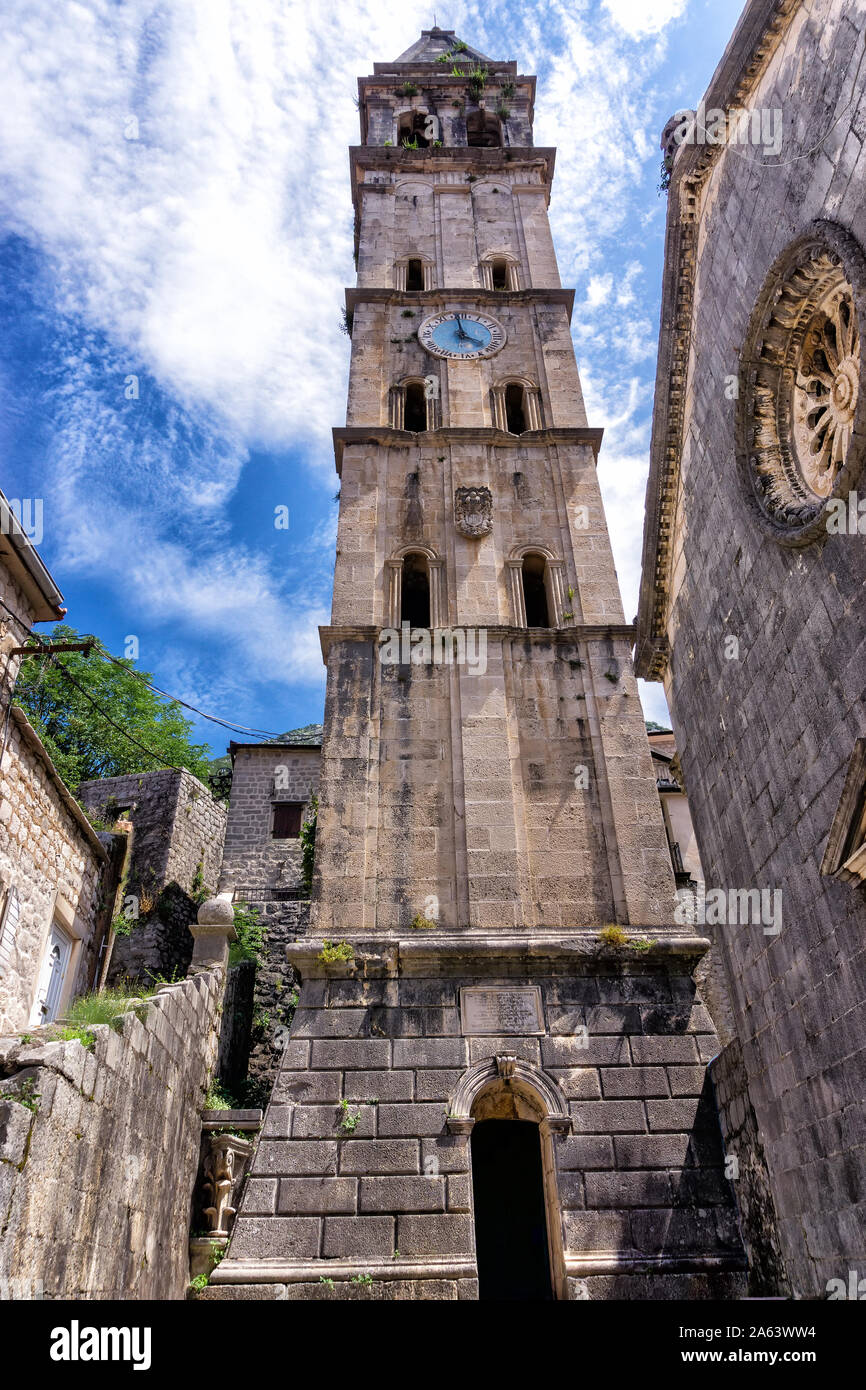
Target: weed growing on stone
[(349, 1121), (613, 936), (335, 951), (25, 1094)]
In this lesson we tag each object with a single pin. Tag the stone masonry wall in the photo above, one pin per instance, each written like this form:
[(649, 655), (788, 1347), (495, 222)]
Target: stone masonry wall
[(176, 851), (765, 739), (742, 1141), (252, 857), (47, 852), (97, 1176), (640, 1176)]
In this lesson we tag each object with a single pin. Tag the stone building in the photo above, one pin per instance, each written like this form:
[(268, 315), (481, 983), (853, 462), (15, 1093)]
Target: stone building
[(751, 608), (485, 1094), (54, 869), (174, 831)]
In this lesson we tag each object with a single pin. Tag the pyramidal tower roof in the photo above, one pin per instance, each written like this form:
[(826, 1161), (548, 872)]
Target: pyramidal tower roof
[(433, 43)]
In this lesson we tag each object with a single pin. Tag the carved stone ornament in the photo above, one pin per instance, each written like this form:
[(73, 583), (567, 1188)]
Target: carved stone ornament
[(802, 404), (473, 511)]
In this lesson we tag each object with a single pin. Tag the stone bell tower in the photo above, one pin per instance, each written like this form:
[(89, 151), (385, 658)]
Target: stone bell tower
[(487, 801)]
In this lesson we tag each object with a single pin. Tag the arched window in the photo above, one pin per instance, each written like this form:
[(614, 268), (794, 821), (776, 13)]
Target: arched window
[(534, 579), (415, 409), (516, 407), (414, 406), (500, 273), (413, 273), (410, 130), (515, 415), (415, 590), (483, 130)]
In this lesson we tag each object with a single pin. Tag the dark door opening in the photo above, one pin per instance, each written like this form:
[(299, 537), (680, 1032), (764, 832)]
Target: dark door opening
[(510, 1218), (415, 596), (535, 591)]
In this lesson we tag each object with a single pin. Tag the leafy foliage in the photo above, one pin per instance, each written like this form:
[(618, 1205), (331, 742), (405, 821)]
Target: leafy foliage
[(308, 846), (251, 931), (81, 742), (334, 951)]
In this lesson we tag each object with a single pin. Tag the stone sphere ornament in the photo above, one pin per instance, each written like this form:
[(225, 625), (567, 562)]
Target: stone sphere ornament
[(802, 404)]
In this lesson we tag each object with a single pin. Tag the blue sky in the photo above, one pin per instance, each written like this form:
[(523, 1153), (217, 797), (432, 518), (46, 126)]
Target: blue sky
[(174, 208)]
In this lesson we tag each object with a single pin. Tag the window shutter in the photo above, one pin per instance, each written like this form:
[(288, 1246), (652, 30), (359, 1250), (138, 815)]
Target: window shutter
[(11, 915), (287, 820)]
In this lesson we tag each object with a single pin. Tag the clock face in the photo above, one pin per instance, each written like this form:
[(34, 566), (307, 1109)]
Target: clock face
[(459, 335)]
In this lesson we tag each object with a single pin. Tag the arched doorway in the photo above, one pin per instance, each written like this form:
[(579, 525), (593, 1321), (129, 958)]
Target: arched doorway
[(511, 1238)]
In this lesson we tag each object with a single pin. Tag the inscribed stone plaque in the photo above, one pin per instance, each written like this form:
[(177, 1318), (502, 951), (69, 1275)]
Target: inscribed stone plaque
[(501, 1009)]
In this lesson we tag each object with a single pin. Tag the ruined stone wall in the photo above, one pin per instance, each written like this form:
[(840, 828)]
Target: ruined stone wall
[(97, 1170), (765, 738), (54, 863), (176, 851)]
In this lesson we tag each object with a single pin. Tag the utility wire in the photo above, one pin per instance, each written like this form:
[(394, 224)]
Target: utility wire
[(157, 757), (212, 718)]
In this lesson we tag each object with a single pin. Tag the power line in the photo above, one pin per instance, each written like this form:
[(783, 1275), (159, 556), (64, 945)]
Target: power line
[(156, 757), (212, 718)]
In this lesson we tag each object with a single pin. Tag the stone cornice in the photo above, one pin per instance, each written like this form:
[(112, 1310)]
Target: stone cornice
[(478, 162), (500, 954), (578, 632), (387, 437), (756, 38), (445, 297)]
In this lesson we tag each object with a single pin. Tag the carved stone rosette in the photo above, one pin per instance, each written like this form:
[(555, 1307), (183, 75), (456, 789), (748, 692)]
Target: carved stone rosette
[(473, 511), (802, 404)]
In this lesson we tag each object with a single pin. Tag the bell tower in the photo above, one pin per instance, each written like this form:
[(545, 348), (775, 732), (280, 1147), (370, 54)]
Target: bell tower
[(487, 804)]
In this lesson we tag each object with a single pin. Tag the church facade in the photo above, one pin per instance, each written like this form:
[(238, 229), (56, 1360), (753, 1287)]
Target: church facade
[(751, 608), (496, 1080)]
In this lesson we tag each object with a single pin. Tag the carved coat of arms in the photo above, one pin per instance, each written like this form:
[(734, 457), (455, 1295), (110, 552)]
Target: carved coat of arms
[(473, 511)]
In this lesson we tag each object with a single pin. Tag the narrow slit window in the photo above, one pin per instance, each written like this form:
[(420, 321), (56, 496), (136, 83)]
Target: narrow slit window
[(287, 820), (500, 275), (415, 411), (515, 408), (415, 591), (535, 591), (414, 275)]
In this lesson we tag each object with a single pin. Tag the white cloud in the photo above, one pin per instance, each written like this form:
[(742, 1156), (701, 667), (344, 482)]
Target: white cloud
[(642, 17), (210, 254)]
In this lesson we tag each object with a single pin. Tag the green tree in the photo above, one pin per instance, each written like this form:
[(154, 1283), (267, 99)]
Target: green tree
[(80, 740)]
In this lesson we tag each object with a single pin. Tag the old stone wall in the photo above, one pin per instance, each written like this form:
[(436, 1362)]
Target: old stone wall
[(97, 1167), (765, 738), (54, 865), (254, 861), (176, 843), (386, 1189), (744, 1153)]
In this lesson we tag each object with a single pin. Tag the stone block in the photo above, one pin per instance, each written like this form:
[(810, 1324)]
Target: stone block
[(416, 1119), (607, 1116), (434, 1235), (379, 1156), (633, 1189), (429, 1053), (359, 1054), (284, 1238), (399, 1194), (313, 1157), (298, 1196), (359, 1237)]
